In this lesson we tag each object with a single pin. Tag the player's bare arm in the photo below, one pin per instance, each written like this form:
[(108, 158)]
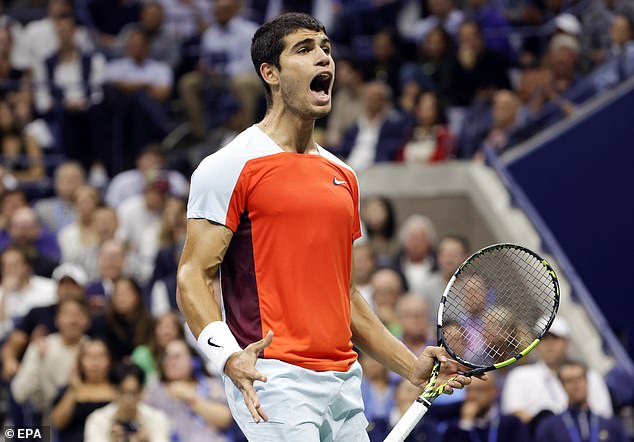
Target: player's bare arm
[(371, 336), (205, 247)]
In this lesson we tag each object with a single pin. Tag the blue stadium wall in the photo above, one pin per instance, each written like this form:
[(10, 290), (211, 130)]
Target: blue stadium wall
[(582, 185)]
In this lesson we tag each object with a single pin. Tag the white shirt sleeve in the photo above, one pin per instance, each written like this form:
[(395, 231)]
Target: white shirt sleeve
[(42, 99)]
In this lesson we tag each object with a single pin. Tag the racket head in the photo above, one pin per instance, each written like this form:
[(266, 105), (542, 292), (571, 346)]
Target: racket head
[(497, 307)]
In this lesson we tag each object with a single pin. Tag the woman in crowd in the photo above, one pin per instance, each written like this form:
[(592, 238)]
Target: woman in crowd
[(167, 328), (431, 139), (379, 221), (195, 403), (89, 389), (76, 237), (128, 324), (20, 153)]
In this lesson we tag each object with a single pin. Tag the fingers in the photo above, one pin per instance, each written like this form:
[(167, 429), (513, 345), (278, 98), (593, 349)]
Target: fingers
[(253, 403), (260, 345), (436, 352)]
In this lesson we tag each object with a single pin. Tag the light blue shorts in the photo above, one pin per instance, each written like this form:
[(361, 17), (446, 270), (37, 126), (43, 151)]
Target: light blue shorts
[(302, 405)]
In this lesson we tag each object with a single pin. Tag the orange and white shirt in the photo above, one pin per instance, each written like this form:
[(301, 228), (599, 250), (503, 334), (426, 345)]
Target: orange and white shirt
[(287, 268)]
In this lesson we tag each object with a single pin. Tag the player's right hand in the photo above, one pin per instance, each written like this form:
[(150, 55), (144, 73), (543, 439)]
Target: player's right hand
[(240, 368)]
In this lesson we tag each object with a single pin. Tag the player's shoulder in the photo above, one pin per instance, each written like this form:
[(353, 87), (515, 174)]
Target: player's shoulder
[(248, 144)]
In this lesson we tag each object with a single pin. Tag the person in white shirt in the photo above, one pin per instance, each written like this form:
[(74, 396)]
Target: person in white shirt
[(140, 213), (39, 39), (531, 389), (187, 18), (132, 182), (136, 89), (225, 62), (20, 290), (48, 361), (126, 418), (416, 261)]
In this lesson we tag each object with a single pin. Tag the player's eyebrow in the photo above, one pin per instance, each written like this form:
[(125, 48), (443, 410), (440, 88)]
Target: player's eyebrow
[(310, 40)]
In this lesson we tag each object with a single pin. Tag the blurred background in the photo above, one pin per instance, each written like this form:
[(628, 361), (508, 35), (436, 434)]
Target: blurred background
[(469, 122)]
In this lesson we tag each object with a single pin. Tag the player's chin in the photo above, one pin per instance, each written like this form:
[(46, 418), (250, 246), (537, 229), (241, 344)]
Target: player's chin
[(319, 111)]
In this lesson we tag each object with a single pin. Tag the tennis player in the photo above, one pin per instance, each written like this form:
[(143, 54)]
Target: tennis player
[(278, 214)]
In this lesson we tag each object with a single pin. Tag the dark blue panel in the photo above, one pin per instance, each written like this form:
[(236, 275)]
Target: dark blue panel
[(582, 184)]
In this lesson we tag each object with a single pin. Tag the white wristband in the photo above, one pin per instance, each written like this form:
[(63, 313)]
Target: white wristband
[(218, 343)]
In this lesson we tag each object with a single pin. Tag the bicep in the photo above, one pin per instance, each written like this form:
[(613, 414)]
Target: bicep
[(206, 245)]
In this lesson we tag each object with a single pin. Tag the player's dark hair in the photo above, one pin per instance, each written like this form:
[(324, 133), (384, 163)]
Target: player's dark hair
[(268, 41)]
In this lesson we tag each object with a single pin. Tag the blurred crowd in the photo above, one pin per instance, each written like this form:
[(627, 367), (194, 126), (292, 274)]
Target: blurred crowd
[(105, 108)]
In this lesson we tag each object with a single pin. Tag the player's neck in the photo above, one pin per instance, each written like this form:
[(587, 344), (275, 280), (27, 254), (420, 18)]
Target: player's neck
[(291, 132)]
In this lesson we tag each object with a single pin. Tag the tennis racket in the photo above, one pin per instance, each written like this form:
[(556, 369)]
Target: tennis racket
[(495, 309)]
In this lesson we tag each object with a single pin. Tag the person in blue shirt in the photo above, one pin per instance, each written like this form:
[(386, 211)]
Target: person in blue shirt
[(577, 423)]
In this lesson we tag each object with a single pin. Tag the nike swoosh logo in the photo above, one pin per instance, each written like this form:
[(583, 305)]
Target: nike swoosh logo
[(212, 344), (336, 182)]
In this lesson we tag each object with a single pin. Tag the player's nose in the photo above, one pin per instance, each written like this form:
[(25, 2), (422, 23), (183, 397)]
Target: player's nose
[(323, 59)]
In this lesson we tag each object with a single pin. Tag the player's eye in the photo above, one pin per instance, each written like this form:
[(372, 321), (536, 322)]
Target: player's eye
[(302, 50), (326, 50)]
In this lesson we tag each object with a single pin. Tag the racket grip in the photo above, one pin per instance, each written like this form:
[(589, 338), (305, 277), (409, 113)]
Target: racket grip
[(406, 424)]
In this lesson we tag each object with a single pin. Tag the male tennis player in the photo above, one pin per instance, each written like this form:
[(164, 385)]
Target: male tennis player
[(278, 214)]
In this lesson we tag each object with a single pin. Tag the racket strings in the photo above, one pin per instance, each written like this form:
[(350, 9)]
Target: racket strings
[(500, 302)]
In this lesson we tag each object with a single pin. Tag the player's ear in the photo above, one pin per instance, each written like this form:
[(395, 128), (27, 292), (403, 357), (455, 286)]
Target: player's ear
[(271, 74)]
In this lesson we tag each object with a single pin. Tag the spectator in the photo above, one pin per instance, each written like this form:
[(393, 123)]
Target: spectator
[(478, 70), (452, 251), (58, 211), (378, 133), (126, 417), (163, 46), (415, 261), (39, 39), (111, 260), (169, 239), (68, 89), (426, 429), (11, 79), (364, 267), (431, 140), (137, 88), (378, 397), (20, 153), (185, 19), (530, 389), (10, 201), (39, 321), (347, 103), (431, 72), (128, 324), (441, 13), (88, 389), (577, 422), (496, 28), (80, 235), (167, 328), (412, 315), (480, 418), (379, 221), (141, 212), (40, 245), (385, 60), (195, 403), (48, 360), (387, 288), (225, 65), (104, 227), (133, 181), (506, 129)]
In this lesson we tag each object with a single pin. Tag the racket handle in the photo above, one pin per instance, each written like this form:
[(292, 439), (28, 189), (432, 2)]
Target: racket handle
[(406, 424)]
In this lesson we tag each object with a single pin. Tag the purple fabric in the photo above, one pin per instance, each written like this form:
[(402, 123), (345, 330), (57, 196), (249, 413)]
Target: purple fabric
[(239, 286)]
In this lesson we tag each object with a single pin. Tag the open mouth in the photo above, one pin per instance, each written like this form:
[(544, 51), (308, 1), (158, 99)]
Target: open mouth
[(320, 86)]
